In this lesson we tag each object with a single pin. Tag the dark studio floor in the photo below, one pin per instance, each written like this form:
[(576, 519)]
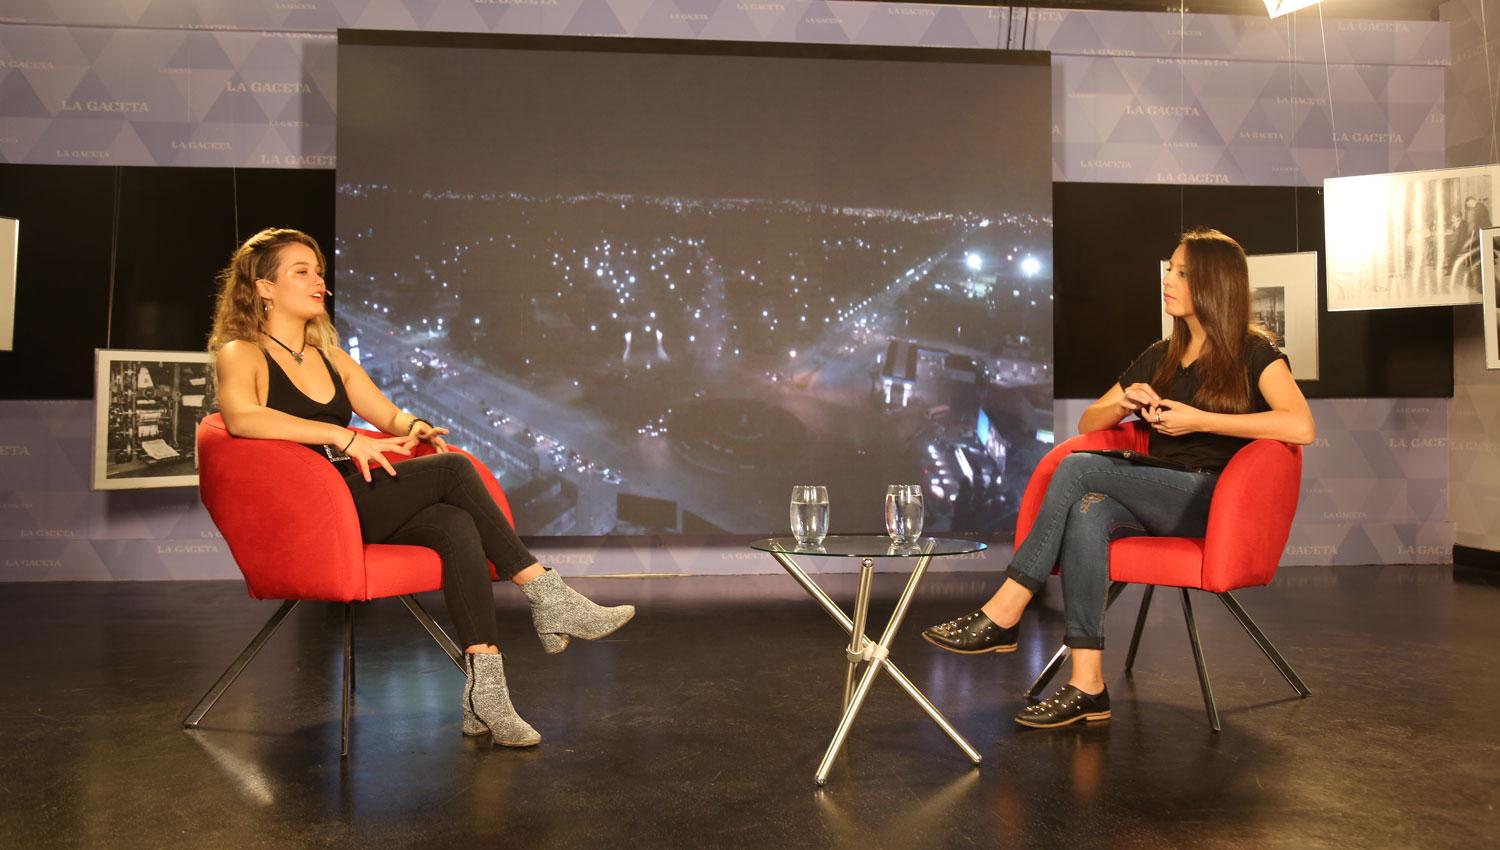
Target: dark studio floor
[(701, 724)]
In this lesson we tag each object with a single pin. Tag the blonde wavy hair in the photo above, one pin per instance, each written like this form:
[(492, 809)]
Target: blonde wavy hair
[(241, 312)]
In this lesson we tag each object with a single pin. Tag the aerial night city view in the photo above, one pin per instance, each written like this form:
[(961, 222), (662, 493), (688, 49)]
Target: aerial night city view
[(673, 362)]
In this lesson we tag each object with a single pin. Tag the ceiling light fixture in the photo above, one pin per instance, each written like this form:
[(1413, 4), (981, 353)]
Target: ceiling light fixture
[(1277, 8)]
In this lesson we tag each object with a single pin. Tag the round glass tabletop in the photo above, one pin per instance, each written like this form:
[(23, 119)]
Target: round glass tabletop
[(871, 546)]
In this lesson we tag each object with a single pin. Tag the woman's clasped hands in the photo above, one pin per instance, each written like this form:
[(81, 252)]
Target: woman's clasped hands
[(1165, 416)]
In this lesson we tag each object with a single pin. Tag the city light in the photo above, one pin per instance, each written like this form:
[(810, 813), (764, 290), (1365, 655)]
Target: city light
[(932, 282)]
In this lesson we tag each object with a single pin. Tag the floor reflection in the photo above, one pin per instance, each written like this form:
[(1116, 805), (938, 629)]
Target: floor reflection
[(909, 822)]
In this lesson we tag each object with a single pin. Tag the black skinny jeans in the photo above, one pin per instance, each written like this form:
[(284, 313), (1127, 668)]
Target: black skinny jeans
[(438, 501)]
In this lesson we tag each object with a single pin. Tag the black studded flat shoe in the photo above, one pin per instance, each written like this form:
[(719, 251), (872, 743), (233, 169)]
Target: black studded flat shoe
[(971, 634), (1069, 705)]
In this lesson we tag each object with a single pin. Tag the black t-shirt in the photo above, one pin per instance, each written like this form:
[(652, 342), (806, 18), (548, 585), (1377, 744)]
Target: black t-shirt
[(1198, 450)]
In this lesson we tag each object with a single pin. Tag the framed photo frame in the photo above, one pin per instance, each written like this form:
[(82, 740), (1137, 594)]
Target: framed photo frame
[(1491, 302), (1409, 239), (1284, 298), (147, 405)]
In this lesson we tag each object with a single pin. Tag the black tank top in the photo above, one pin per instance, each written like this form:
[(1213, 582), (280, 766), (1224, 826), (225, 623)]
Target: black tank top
[(283, 395)]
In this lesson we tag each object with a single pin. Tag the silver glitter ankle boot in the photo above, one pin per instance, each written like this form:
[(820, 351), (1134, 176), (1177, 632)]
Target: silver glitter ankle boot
[(473, 726), (560, 612), (487, 706)]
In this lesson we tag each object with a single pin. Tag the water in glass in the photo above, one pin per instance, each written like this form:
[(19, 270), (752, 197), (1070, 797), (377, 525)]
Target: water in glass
[(809, 514), (903, 512)]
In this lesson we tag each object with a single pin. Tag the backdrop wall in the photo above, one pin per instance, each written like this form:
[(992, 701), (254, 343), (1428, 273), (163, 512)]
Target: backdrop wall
[(1138, 98), (1163, 99), (1474, 448)]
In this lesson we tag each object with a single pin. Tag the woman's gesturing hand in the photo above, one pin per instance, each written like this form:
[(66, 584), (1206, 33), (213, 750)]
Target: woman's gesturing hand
[(367, 451), (428, 433), (1139, 397), (1174, 418)]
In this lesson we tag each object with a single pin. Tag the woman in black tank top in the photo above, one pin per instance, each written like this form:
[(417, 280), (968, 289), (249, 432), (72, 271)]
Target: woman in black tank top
[(1216, 384), (270, 320)]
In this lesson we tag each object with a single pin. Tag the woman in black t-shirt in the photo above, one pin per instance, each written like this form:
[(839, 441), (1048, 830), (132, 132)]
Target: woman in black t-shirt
[(1216, 384), (270, 312)]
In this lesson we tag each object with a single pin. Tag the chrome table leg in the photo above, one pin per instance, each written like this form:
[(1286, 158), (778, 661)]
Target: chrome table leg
[(857, 635), (879, 659)]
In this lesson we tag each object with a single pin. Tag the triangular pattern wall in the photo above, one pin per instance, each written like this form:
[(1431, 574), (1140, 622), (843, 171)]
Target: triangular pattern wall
[(1141, 97)]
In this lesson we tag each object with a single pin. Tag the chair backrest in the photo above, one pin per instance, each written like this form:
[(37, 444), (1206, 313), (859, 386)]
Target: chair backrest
[(1249, 520), (286, 514)]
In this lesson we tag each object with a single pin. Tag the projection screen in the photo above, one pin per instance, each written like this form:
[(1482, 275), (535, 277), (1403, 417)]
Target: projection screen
[(655, 284)]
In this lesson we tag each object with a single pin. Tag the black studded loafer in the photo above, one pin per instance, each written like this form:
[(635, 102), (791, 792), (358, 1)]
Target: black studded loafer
[(1068, 705), (971, 634)]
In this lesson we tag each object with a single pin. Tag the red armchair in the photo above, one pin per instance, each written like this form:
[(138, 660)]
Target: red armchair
[(1248, 523), (312, 551)]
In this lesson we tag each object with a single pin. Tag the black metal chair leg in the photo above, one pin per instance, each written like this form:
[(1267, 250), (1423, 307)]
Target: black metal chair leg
[(1265, 645), (238, 665), (353, 666), (434, 630), (348, 678), (1140, 625), (1115, 589), (1208, 689), (1042, 678), (1047, 673)]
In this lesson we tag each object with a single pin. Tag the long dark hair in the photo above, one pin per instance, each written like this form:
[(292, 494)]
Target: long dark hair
[(1219, 282)]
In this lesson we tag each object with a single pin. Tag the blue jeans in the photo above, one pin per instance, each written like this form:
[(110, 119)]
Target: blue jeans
[(1090, 501)]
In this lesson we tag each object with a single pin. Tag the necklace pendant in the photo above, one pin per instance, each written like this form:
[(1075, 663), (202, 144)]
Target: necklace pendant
[(297, 356)]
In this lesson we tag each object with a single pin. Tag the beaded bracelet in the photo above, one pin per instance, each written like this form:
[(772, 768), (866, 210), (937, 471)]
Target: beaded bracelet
[(413, 426)]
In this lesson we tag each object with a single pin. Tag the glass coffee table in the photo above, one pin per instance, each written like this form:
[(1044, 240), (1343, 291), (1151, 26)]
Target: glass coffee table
[(861, 650)]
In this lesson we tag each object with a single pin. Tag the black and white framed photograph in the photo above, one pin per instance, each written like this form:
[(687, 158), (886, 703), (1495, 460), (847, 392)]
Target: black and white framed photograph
[(147, 405), (1284, 299), (1408, 239), (1491, 304)]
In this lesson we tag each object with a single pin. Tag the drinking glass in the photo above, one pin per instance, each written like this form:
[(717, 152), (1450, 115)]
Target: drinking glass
[(809, 514), (903, 513)]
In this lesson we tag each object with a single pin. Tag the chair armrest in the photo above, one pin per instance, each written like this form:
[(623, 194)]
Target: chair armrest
[(1251, 514), (1130, 435), (286, 514)]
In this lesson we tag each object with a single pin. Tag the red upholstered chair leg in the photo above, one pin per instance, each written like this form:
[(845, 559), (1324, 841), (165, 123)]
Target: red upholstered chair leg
[(348, 679), (434, 630), (243, 660), (1034, 692), (1265, 645), (1140, 624), (240, 662), (1203, 682), (1209, 705), (1042, 678), (353, 668)]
